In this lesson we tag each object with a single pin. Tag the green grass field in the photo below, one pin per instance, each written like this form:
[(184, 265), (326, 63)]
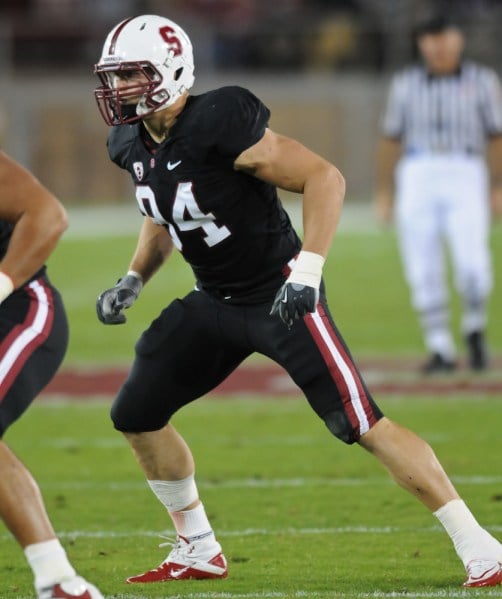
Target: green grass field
[(299, 514)]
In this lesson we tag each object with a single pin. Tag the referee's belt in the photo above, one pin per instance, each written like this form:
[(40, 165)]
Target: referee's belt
[(441, 152)]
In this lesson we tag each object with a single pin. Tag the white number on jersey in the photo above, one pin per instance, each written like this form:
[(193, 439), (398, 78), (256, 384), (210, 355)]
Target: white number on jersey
[(186, 214)]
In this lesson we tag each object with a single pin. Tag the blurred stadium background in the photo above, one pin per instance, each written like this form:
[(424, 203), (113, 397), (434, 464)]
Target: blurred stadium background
[(321, 65)]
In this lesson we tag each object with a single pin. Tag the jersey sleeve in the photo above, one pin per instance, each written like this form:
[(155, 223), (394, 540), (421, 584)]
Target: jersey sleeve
[(393, 119), (239, 121), (119, 143), (491, 102)]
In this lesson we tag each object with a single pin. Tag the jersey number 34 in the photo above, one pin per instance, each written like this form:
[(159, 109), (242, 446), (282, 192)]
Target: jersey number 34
[(186, 215)]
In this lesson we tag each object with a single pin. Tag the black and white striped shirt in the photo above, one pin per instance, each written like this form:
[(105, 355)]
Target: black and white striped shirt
[(448, 114)]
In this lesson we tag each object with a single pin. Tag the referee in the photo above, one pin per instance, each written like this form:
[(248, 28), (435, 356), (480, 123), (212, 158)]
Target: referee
[(440, 153)]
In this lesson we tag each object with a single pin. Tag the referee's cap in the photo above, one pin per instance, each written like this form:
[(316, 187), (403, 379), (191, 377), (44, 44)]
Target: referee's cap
[(434, 24)]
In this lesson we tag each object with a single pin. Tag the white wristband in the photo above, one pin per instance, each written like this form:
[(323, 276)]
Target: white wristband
[(6, 286), (136, 275), (307, 269)]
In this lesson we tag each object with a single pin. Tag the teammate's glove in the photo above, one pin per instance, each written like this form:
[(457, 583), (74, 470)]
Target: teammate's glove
[(300, 292), (111, 303)]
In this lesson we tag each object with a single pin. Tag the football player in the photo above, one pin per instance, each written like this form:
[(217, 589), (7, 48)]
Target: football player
[(206, 169), (34, 338)]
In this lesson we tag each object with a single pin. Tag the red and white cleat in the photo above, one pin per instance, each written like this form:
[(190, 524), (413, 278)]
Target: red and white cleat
[(73, 588), (184, 563), (483, 573)]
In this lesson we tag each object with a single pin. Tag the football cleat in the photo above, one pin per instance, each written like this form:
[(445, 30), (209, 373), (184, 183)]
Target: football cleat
[(73, 588), (483, 573), (184, 563), (438, 364)]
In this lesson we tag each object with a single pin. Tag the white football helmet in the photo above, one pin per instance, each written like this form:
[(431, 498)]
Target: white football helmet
[(157, 48)]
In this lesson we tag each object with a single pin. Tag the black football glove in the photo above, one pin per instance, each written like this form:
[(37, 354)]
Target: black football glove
[(111, 303), (300, 293), (293, 301)]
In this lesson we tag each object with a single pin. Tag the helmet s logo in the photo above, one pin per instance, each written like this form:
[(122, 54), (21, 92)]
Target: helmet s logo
[(168, 34)]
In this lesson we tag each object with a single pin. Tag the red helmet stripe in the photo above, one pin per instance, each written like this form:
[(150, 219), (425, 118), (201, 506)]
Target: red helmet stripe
[(120, 26)]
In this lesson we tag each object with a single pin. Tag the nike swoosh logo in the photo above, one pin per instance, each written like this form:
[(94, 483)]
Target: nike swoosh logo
[(172, 165), (483, 575), (60, 588), (178, 573)]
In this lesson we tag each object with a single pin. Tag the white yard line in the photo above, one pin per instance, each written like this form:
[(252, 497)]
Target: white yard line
[(256, 532), (247, 483)]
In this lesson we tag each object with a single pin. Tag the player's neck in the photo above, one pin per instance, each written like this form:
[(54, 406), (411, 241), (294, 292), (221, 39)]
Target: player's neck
[(157, 133), (159, 123)]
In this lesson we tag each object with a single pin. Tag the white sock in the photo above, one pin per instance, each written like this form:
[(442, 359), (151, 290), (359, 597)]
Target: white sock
[(470, 540), (437, 335), (440, 341), (192, 524), (474, 319), (49, 563), (175, 495)]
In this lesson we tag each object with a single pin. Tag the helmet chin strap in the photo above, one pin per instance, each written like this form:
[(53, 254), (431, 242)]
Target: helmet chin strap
[(128, 110)]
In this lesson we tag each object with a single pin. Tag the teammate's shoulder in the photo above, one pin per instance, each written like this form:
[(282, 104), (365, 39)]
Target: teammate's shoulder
[(120, 139)]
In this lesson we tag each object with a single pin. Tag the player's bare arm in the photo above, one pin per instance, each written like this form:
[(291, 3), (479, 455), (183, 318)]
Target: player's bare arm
[(39, 220), (388, 153), (153, 248), (288, 164), (495, 164)]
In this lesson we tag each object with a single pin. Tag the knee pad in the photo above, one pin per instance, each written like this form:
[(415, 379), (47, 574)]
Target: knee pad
[(338, 424), (129, 414)]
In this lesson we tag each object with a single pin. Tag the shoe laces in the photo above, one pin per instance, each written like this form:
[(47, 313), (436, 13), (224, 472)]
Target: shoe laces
[(181, 547)]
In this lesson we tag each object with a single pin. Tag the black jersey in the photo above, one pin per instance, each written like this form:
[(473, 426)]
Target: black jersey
[(230, 227)]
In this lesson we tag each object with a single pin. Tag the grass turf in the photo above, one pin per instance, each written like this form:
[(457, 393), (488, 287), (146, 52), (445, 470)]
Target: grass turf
[(299, 514)]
